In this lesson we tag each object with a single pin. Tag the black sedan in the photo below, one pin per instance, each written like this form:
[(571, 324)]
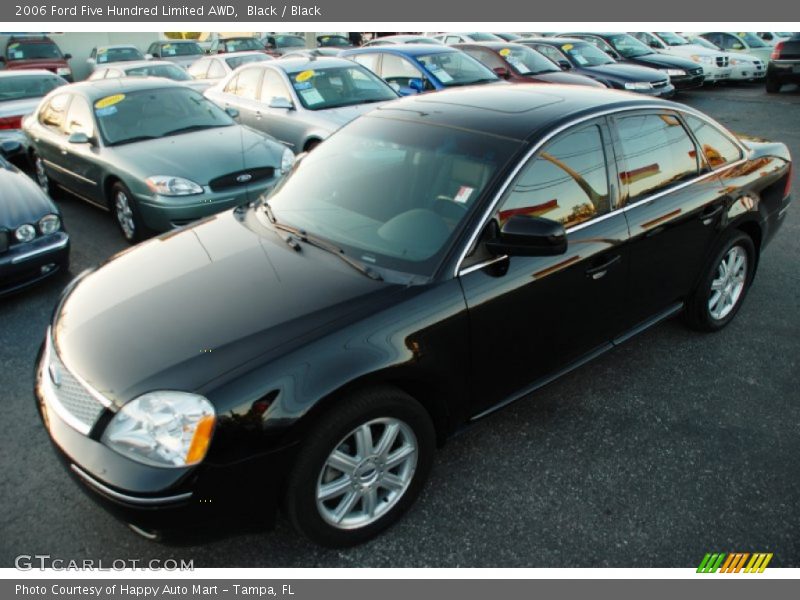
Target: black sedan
[(33, 244), (579, 56), (624, 48), (784, 65), (431, 262)]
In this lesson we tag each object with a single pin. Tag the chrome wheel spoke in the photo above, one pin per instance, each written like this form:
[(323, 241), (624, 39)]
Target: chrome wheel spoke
[(346, 505), (392, 482), (363, 437), (370, 502), (387, 439), (335, 488), (398, 457), (727, 287), (342, 462)]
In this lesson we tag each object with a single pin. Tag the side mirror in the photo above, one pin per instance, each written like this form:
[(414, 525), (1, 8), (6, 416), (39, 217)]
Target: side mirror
[(737, 46), (9, 148), (233, 113), (564, 64), (502, 72), (653, 44), (281, 102), (523, 235), (78, 138), (67, 56), (417, 84), (150, 56)]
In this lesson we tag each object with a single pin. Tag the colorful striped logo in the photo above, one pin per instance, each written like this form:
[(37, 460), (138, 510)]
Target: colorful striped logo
[(734, 562)]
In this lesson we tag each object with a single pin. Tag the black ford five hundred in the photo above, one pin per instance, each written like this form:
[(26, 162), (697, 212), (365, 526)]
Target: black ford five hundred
[(428, 264)]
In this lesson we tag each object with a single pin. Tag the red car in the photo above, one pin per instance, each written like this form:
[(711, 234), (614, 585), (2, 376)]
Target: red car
[(36, 53), (522, 64)]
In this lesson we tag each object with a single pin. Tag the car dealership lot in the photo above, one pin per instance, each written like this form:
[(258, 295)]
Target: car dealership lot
[(671, 446)]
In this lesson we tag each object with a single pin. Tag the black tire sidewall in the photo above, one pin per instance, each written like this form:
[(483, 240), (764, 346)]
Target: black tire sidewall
[(350, 412), (700, 316)]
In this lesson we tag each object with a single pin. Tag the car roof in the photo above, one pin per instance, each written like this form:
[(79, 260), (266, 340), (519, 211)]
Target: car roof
[(133, 64), (33, 39), (512, 111), (297, 62), (115, 46), (406, 49), (494, 45), (553, 41), (176, 42), (237, 53), (100, 88), (24, 72)]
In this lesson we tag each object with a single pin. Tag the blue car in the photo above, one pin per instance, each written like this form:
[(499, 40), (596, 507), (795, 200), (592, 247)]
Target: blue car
[(416, 68)]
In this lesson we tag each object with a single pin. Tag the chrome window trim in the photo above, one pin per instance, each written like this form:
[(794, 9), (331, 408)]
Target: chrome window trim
[(91, 481), (502, 190)]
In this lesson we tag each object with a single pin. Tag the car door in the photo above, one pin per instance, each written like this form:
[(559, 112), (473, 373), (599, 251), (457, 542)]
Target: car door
[(533, 316), (80, 160), (673, 203), (48, 136), (285, 124), (241, 93)]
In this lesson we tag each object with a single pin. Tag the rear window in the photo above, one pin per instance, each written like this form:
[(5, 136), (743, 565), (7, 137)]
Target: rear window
[(32, 50), (243, 44), (109, 55), (28, 86), (183, 49), (718, 148)]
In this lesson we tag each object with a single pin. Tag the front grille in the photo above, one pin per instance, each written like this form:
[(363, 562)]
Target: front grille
[(695, 72), (71, 394), (3, 241), (660, 84), (722, 61), (241, 178)]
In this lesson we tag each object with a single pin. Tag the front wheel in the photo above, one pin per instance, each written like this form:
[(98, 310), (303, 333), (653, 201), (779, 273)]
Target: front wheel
[(362, 467), (724, 285), (126, 214)]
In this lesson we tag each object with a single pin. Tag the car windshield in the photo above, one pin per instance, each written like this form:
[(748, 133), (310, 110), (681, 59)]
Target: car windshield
[(155, 113), (109, 55), (289, 41), (333, 87), (20, 87), (334, 40), (169, 71), (456, 68), (784, 33), (182, 49), (391, 194), (753, 40), (480, 36), (585, 55), (238, 45), (238, 61), (628, 46), (672, 39), (32, 50), (527, 61), (698, 41)]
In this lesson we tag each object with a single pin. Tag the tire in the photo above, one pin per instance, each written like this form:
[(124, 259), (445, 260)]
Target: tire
[(342, 515), (724, 284), (773, 86), (126, 214), (311, 144)]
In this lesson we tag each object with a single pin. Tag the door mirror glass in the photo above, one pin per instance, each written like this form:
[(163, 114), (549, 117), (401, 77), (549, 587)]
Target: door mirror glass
[(417, 84), (281, 102), (78, 137), (233, 113), (67, 56), (523, 235)]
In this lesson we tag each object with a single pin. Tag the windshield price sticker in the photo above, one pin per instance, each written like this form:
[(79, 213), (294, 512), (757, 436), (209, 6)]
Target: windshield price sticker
[(463, 194), (304, 76), (109, 101), (312, 97), (505, 52)]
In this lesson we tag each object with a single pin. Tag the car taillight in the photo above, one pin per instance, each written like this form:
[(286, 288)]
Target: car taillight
[(776, 51), (14, 122)]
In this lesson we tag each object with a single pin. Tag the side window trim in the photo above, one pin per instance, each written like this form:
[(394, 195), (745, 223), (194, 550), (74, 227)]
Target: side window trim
[(699, 146)]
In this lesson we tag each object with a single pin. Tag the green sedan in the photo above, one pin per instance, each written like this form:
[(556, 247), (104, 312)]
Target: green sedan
[(154, 153)]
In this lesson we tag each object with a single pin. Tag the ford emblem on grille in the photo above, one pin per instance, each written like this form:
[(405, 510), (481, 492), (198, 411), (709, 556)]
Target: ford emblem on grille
[(55, 374), (244, 177)]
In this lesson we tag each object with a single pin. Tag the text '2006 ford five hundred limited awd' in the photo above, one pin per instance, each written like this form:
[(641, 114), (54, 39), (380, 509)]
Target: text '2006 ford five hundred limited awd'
[(312, 348)]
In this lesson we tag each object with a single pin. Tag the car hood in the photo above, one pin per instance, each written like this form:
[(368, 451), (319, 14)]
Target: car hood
[(23, 201), (210, 152), (341, 116), (666, 61), (626, 72), (24, 106), (567, 78), (183, 309)]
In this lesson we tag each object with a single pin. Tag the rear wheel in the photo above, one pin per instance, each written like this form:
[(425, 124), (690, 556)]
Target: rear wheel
[(362, 467), (773, 86), (724, 285)]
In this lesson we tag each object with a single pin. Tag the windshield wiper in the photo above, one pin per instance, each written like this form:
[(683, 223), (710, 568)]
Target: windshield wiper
[(137, 138), (302, 235), (189, 128)]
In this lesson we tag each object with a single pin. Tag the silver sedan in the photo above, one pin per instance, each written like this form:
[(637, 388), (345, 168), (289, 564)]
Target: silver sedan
[(300, 100)]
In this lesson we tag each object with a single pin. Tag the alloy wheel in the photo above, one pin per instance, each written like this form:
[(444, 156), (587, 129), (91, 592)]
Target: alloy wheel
[(367, 473), (124, 214), (728, 283)]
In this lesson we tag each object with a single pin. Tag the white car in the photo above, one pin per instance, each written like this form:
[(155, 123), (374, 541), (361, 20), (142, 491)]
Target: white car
[(744, 67), (464, 38), (742, 42), (148, 68), (211, 69), (102, 55), (714, 62), (773, 37)]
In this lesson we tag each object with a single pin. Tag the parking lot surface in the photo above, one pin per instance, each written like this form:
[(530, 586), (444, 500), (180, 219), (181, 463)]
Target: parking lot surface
[(674, 445)]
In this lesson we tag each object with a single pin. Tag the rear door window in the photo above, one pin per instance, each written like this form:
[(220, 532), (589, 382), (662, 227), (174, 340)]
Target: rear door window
[(718, 148)]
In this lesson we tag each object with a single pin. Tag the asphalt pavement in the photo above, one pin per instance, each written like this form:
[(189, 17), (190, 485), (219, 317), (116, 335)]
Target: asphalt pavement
[(671, 446)]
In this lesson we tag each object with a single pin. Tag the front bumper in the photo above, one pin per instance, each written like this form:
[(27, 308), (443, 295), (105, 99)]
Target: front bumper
[(784, 71), (667, 91), (241, 494), (748, 73), (164, 213), (23, 265), (688, 82), (715, 74)]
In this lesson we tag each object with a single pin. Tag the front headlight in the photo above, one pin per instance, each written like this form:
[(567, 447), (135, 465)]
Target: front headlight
[(49, 224), (638, 85), (287, 161), (164, 429), (62, 71), (673, 72), (25, 233), (706, 60), (166, 185)]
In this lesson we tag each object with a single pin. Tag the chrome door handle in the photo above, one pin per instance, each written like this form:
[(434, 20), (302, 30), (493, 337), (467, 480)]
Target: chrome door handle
[(600, 270), (709, 215)]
